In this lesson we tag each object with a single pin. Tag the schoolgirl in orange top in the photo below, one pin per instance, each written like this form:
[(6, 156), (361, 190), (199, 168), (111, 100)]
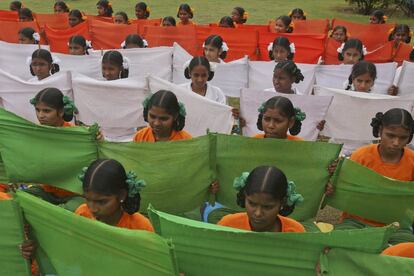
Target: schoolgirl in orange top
[(277, 116), (239, 15), (166, 119), (104, 8), (297, 14), (142, 11), (268, 198), (185, 13), (112, 195), (401, 33)]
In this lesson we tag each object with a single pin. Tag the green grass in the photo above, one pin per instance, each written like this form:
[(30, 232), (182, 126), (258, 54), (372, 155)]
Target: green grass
[(211, 11)]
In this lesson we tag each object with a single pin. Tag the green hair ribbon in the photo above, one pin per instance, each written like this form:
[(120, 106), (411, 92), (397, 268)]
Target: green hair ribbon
[(181, 109), (147, 100), (81, 176), (134, 185), (69, 106), (299, 115), (240, 182), (261, 109), (33, 101), (292, 196)]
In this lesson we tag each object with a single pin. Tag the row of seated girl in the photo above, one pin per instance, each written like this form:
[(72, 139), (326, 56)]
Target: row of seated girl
[(112, 196)]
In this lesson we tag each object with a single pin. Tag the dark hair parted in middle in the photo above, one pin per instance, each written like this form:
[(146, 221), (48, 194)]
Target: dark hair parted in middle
[(167, 100), (199, 61), (116, 58), (395, 116), (286, 108)]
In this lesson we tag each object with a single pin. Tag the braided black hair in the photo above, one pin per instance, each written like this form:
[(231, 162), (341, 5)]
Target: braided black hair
[(291, 69), (143, 6), (47, 56), (395, 116), (28, 33), (108, 177), (269, 180), (217, 42), (199, 61), (361, 68), (79, 40), (53, 98), (352, 43), (285, 106), (116, 58), (283, 42), (286, 21)]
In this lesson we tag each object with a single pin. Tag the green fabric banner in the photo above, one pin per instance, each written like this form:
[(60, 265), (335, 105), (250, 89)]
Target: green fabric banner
[(3, 175), (208, 249), (177, 174), (81, 246), (40, 154), (363, 192), (11, 236), (345, 262), (305, 163)]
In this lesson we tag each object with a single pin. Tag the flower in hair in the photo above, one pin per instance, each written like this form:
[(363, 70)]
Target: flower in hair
[(292, 197), (245, 15), (146, 101), (290, 14), (33, 101), (29, 60), (134, 185), (341, 49), (36, 37), (299, 115), (410, 34), (125, 63), (88, 44), (69, 106), (145, 42), (270, 47), (213, 66), (123, 44), (187, 63), (261, 108), (148, 10), (192, 10), (292, 48), (364, 50), (181, 109), (240, 181), (292, 25), (81, 176), (385, 18), (110, 4), (305, 14), (55, 60), (224, 47), (84, 17)]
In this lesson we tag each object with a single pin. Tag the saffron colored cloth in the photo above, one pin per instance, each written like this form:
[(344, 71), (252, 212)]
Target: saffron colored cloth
[(405, 249), (146, 135), (289, 137), (88, 247), (232, 251), (361, 191), (134, 222), (241, 221)]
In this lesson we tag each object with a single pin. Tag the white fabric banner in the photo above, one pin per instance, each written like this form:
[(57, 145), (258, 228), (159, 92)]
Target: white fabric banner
[(334, 76), (229, 77), (406, 80), (202, 113), (13, 58), (315, 108), (16, 94), (349, 116), (115, 105), (88, 65), (261, 76)]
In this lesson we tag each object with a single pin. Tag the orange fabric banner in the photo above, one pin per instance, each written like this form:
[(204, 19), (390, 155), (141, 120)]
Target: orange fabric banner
[(331, 53), (309, 47), (9, 15), (53, 20), (372, 36), (311, 26), (108, 35), (382, 54), (100, 18), (141, 23), (259, 28), (10, 29), (166, 36), (403, 52), (58, 39)]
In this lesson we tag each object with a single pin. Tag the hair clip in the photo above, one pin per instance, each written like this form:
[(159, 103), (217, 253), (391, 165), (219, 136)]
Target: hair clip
[(145, 42), (125, 63), (36, 37), (240, 181), (292, 48), (224, 47), (341, 49), (123, 44), (270, 47)]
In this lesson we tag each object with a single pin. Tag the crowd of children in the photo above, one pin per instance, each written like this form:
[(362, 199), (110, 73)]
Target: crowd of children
[(112, 196)]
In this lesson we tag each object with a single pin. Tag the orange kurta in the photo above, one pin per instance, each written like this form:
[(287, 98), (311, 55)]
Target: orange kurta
[(369, 157), (134, 222), (190, 23), (146, 135), (405, 249), (289, 137), (241, 221), (54, 190)]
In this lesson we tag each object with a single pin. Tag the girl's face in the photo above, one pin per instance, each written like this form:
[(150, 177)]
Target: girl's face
[(58, 9), (339, 35), (184, 16), (199, 76), (167, 23), (212, 53), (73, 20), (101, 10), (140, 14), (160, 121), (275, 124), (25, 40), (363, 83), (49, 116), (282, 82), (351, 56), (400, 36), (111, 71), (41, 68), (297, 16), (119, 19), (262, 210), (280, 53), (280, 27), (76, 49), (393, 139), (236, 16), (104, 207)]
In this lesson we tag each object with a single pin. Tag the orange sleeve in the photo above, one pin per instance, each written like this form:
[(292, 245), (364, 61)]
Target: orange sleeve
[(182, 135), (291, 225), (144, 135), (84, 211), (145, 224), (259, 135), (294, 138), (238, 221), (405, 249)]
